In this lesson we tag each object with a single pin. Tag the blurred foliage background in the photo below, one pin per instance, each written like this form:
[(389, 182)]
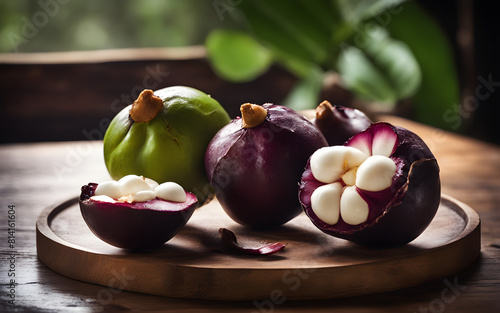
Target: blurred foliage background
[(420, 58), (95, 24)]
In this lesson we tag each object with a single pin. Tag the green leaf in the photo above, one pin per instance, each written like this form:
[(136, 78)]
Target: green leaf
[(356, 11), (236, 56), (287, 29), (439, 93), (396, 60), (383, 70), (363, 78), (305, 94)]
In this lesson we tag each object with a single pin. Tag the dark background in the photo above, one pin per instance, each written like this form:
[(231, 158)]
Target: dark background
[(481, 59)]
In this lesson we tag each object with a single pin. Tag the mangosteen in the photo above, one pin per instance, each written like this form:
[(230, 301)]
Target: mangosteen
[(338, 123), (255, 163), (163, 135), (381, 188), (136, 212)]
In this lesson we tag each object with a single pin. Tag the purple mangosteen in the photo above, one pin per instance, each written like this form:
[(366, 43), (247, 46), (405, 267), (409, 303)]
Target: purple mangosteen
[(255, 164), (338, 123)]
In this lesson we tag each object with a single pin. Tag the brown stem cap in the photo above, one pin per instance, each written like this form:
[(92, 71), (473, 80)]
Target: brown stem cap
[(146, 107), (252, 115), (324, 110)]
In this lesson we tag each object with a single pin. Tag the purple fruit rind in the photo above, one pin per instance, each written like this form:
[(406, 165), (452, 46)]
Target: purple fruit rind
[(88, 191), (341, 124), (378, 131), (223, 141)]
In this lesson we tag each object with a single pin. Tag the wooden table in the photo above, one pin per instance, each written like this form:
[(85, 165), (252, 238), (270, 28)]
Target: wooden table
[(36, 175)]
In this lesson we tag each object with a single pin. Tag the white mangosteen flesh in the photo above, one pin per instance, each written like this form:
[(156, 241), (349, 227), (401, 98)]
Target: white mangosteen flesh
[(134, 188), (348, 172)]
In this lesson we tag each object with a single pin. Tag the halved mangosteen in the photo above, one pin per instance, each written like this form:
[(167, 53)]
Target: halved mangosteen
[(136, 212), (381, 188)]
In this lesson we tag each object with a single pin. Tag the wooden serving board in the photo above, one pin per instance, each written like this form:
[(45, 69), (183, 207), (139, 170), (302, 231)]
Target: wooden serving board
[(313, 265)]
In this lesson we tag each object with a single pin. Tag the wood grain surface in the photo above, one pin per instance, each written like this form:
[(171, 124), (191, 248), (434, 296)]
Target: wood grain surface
[(194, 264), (38, 175)]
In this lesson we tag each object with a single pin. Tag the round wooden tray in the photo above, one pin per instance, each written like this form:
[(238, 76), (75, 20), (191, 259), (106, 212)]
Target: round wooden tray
[(313, 265)]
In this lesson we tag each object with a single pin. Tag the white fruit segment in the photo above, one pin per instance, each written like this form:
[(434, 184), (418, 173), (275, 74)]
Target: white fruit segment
[(328, 164), (172, 191), (109, 188), (375, 173), (325, 202), (133, 188), (144, 195), (153, 184), (346, 169), (349, 178), (353, 208), (131, 184), (103, 198)]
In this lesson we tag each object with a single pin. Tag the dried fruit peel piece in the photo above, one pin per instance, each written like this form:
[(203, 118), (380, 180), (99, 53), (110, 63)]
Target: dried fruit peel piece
[(228, 239)]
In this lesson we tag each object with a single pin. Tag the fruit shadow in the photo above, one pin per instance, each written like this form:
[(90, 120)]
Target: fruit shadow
[(340, 249)]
